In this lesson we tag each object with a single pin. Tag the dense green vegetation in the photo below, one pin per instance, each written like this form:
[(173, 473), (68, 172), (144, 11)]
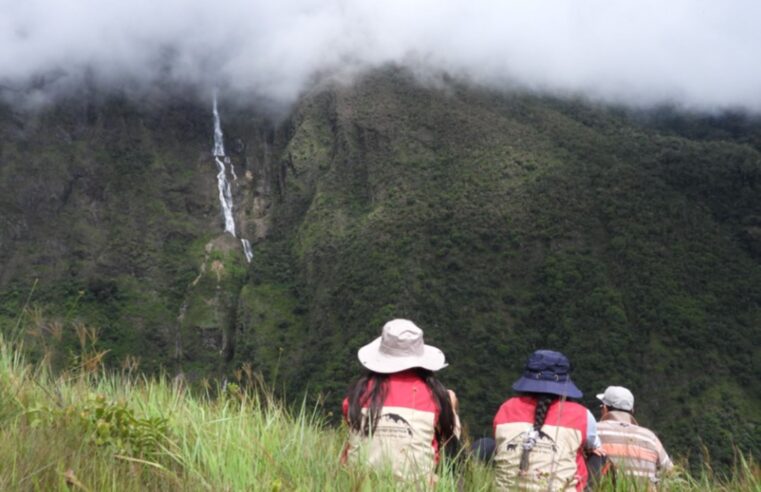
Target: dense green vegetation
[(89, 430), (500, 223)]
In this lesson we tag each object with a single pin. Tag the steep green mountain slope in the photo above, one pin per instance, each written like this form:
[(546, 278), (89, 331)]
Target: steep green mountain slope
[(100, 202), (500, 223)]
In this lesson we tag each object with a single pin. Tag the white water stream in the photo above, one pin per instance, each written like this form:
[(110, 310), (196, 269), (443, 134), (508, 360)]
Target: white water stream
[(225, 192), (247, 249)]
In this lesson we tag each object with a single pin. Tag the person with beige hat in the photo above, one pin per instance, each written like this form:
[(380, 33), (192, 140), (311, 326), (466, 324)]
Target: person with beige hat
[(400, 416), (633, 449)]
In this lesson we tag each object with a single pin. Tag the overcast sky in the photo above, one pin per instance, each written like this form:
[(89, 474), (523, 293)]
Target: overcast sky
[(700, 54)]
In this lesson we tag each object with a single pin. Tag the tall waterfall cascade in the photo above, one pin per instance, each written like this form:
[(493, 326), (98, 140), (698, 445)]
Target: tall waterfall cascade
[(223, 184)]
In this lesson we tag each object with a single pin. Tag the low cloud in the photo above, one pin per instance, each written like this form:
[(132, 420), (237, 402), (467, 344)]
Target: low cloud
[(701, 55)]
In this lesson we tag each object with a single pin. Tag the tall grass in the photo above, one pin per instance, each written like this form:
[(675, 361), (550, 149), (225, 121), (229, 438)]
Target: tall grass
[(60, 433), (95, 431)]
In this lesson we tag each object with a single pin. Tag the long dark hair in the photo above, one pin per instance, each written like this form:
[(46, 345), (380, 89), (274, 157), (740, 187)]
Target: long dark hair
[(543, 402), (371, 389)]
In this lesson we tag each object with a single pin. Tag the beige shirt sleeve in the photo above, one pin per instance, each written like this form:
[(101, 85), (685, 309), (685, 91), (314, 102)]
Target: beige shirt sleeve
[(664, 462), (455, 409)]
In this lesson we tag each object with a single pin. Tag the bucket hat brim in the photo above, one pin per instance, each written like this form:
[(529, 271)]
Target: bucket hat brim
[(371, 357), (561, 388)]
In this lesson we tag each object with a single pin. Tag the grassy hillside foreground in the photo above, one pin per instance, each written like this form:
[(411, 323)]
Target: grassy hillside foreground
[(88, 430)]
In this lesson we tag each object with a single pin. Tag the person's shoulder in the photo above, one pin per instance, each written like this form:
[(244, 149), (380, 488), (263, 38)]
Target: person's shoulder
[(511, 404), (577, 406), (574, 407), (633, 429), (646, 431), (603, 423), (514, 400)]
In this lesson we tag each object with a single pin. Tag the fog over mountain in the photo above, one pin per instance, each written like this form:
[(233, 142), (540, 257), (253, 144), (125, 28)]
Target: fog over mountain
[(696, 54)]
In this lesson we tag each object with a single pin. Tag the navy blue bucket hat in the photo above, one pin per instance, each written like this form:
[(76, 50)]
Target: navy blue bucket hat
[(547, 371)]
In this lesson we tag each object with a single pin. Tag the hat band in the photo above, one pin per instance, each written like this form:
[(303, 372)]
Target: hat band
[(548, 376)]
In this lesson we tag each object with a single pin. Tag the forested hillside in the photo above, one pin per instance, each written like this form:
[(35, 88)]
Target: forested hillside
[(499, 222)]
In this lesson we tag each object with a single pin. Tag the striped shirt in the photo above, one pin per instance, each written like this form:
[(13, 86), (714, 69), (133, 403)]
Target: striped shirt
[(635, 450)]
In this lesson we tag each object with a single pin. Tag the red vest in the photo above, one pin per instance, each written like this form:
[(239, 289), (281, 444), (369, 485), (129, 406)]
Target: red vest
[(556, 462), (405, 436)]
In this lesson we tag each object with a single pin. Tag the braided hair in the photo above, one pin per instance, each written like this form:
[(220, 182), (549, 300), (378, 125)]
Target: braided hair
[(543, 403)]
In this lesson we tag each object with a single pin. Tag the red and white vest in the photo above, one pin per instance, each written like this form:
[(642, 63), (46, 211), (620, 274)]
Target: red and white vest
[(404, 439), (556, 461)]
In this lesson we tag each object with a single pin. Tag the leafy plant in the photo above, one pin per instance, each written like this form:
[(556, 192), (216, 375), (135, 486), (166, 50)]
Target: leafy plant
[(107, 423)]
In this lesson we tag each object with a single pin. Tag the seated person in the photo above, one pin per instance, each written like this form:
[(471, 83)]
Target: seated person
[(633, 449), (400, 416), (540, 435)]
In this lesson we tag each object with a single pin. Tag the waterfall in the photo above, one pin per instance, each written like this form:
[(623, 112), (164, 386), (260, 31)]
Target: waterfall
[(247, 249), (223, 184), (225, 197), (219, 141)]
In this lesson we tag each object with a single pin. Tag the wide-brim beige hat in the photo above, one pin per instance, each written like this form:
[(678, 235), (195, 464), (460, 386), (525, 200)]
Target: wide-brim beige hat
[(400, 347)]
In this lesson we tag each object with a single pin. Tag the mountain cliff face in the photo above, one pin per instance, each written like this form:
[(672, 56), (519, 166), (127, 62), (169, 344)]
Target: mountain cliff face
[(500, 223)]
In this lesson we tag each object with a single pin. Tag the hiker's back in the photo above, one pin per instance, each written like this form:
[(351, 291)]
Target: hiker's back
[(555, 462), (635, 450), (404, 437), (399, 415)]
